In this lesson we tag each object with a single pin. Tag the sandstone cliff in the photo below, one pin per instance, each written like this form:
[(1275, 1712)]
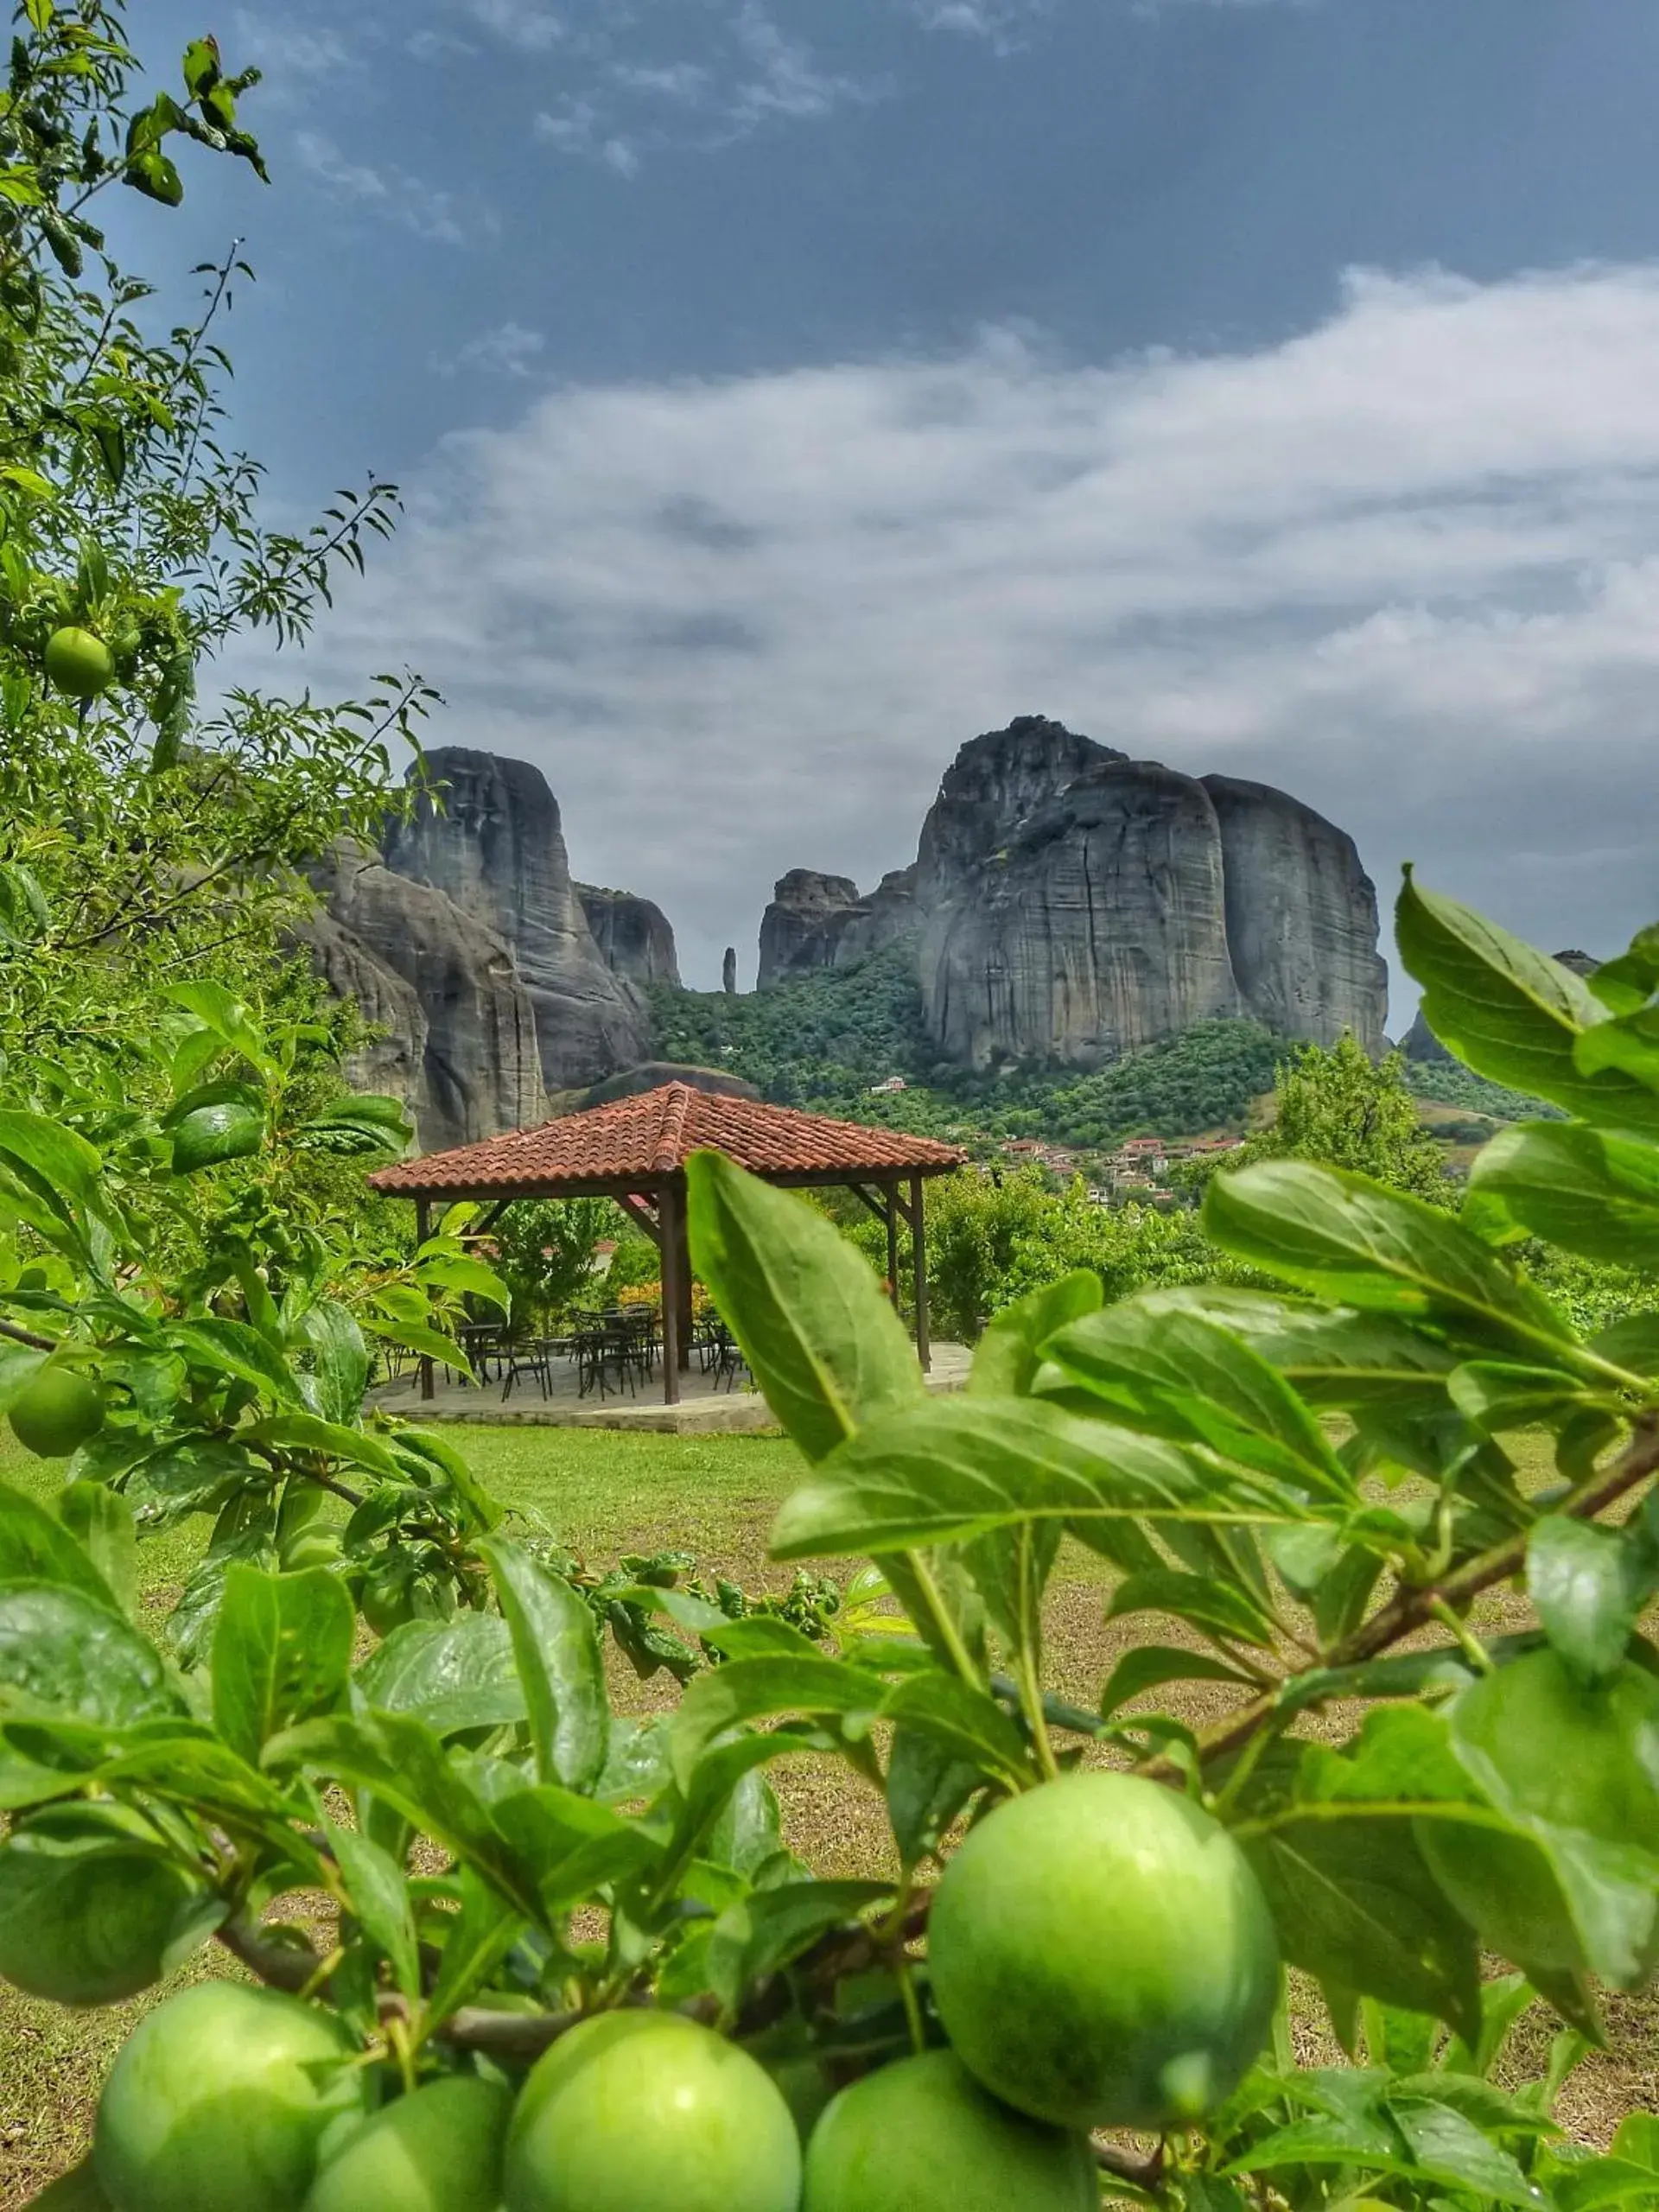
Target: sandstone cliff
[(1071, 904), (461, 1043), (1301, 917), (497, 850), (634, 935), (824, 921)]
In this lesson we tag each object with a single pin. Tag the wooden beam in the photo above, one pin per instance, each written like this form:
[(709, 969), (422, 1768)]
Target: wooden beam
[(919, 1255), (423, 1231), (640, 1213), (671, 1244), (891, 1211), (877, 1206)]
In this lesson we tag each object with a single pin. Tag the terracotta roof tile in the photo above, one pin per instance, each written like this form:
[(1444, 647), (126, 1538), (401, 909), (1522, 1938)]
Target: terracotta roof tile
[(637, 1140)]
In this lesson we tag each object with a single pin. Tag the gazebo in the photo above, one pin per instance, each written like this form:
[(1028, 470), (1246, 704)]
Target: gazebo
[(634, 1151)]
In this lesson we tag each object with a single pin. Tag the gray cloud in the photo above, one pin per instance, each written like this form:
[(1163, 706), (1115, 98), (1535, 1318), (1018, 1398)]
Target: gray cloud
[(1402, 562)]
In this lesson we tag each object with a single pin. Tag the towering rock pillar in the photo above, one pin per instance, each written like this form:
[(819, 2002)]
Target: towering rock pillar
[(498, 851), (1301, 917), (1069, 902)]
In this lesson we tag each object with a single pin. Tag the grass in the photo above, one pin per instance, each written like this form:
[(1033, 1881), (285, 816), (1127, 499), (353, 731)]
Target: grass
[(603, 1492)]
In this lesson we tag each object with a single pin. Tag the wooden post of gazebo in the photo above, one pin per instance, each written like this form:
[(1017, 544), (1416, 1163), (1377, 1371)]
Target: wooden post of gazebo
[(633, 1150), (918, 1260)]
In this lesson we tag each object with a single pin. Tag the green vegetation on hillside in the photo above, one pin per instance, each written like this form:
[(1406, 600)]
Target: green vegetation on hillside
[(825, 1039), (1445, 1083)]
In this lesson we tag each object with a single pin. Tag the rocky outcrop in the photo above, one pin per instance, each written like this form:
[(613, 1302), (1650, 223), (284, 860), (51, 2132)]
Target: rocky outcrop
[(497, 851), (803, 927), (1070, 903), (634, 935), (459, 1041), (825, 921), (1301, 917)]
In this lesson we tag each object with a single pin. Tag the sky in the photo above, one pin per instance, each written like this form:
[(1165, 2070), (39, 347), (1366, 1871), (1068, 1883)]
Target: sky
[(783, 391)]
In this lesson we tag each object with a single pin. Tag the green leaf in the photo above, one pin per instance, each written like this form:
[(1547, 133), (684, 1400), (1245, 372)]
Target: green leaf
[(751, 1689), (1499, 1395), (1357, 1243), (1445, 2147), (231, 1348), (78, 2191), (36, 1547), (467, 1276), (62, 1651), (281, 1653), (827, 1349), (214, 1123), (1010, 1352), (963, 1722), (341, 1370), (380, 1903), (304, 1432), (405, 1763), (154, 175), (559, 1667), (768, 1929), (1330, 1356), (1355, 1903), (453, 1675), (1149, 1666), (1593, 1193), (926, 1786), (1182, 1375), (475, 1941), (100, 1520), (1510, 1013), (1219, 1609), (955, 1468), (1588, 1585)]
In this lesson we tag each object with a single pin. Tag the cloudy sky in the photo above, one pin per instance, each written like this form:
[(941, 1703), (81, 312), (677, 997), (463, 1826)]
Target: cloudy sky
[(784, 390)]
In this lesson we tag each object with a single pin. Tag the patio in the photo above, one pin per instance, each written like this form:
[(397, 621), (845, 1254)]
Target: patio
[(708, 1404)]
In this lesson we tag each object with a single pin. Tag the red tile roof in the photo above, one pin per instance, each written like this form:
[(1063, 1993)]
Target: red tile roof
[(636, 1142)]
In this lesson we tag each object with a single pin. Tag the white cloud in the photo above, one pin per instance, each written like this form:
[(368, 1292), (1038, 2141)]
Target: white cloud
[(297, 57), (783, 78), (509, 350), (389, 192), (1001, 22), (1405, 563), (521, 23)]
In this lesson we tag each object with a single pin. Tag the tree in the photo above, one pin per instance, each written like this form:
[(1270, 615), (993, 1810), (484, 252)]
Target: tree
[(545, 1250), (146, 840), (1337, 1105), (1103, 1948)]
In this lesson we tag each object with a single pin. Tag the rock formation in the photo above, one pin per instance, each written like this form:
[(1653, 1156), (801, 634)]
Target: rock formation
[(1069, 904), (1301, 917), (497, 850), (824, 921), (460, 1043), (634, 935)]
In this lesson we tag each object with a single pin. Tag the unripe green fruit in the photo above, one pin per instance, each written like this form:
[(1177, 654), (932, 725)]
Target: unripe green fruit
[(385, 1607), (310, 1547), (1573, 1757), (84, 1919), (56, 1413), (922, 2136), (79, 663), (1103, 1956), (437, 2151), (639, 2110), (220, 2099)]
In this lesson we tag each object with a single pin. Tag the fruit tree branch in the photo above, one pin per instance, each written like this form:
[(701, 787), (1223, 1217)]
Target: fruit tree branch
[(1412, 1608)]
